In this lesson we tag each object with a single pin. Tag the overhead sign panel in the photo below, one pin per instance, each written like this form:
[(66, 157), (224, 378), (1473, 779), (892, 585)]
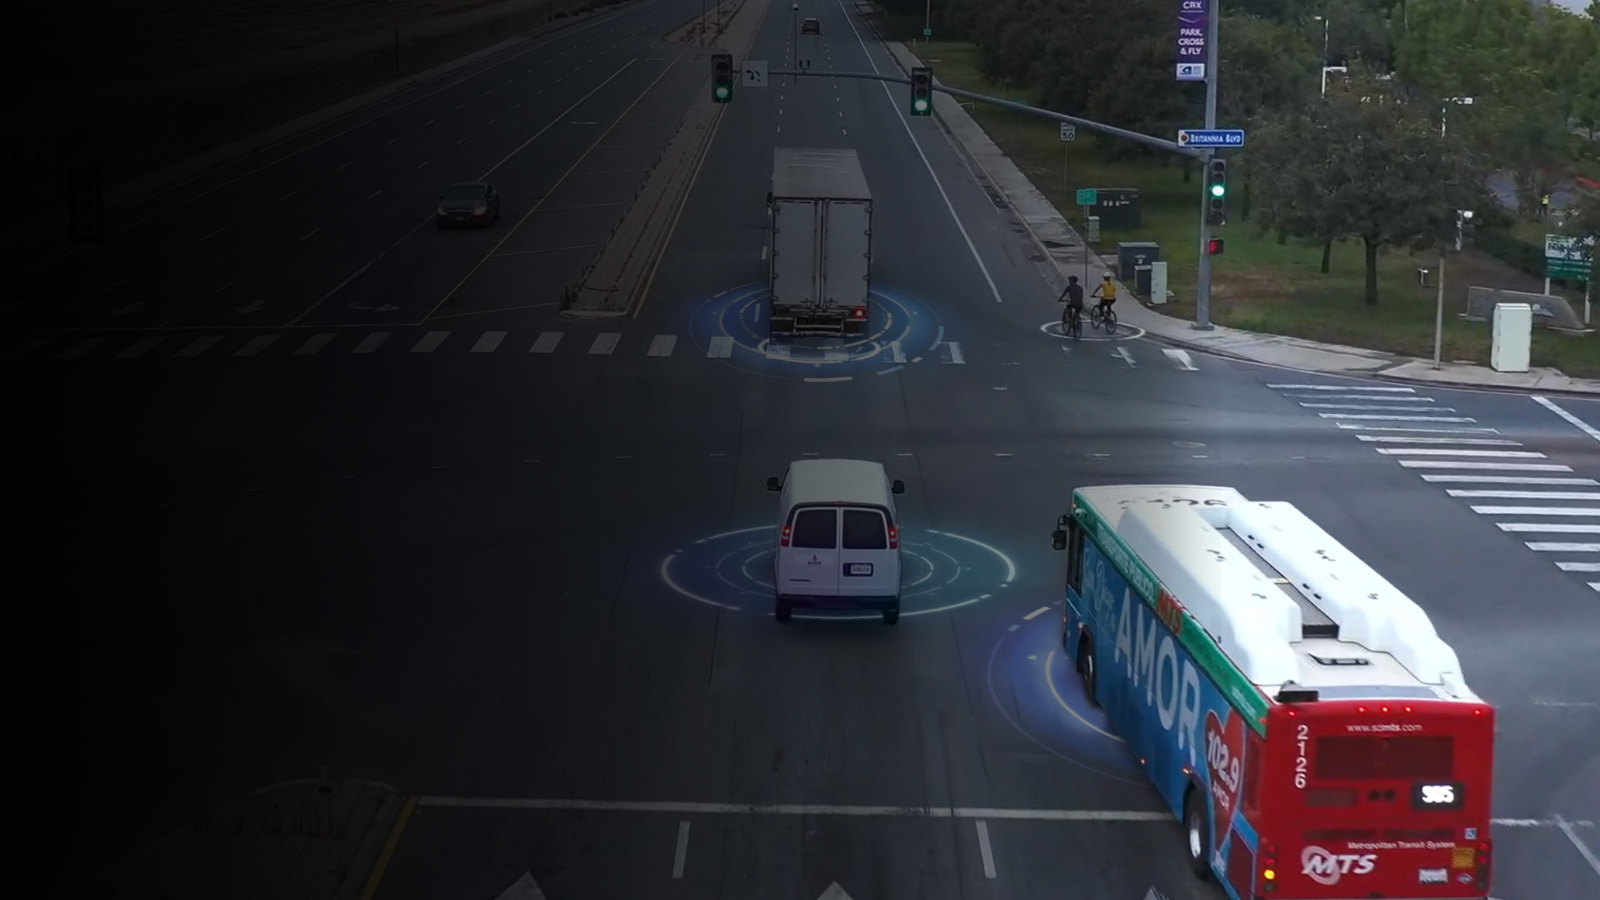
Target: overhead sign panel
[(1211, 137), (1193, 16)]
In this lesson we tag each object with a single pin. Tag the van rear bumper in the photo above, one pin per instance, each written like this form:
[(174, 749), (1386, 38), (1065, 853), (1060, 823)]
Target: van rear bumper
[(823, 601)]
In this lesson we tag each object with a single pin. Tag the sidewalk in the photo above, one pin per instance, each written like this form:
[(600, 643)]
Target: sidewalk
[(300, 840), (1066, 249)]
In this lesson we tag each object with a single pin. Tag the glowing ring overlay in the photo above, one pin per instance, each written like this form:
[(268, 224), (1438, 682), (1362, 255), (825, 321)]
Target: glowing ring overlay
[(919, 571), (1124, 332), (736, 314)]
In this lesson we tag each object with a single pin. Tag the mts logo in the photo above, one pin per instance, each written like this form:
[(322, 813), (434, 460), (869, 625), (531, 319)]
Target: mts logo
[(1325, 867)]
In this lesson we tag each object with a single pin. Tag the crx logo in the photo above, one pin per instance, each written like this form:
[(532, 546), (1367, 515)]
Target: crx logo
[(1325, 867)]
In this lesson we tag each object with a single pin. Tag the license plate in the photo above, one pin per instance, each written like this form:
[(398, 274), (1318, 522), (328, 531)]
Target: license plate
[(858, 568)]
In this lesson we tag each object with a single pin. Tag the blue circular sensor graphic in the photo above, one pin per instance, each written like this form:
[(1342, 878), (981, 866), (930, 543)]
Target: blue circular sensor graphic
[(733, 326)]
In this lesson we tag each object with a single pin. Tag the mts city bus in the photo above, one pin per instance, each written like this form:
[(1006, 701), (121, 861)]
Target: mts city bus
[(1298, 713)]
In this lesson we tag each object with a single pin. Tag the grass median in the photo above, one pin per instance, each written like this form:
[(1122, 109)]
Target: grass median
[(1257, 283)]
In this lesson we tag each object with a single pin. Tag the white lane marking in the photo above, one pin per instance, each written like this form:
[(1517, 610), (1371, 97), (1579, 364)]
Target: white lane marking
[(488, 342), (313, 344), (662, 345), (1525, 495), (375, 193), (1566, 827), (1381, 418), (799, 809), (604, 343), (225, 287), (896, 352), (1417, 430), (984, 849), (82, 348), (390, 142), (894, 101), (1437, 451), (1341, 387), (831, 380), (1375, 407), (557, 120), (938, 339), (424, 162), (24, 348), (763, 252), (1364, 397), (1578, 566), (308, 234), (680, 855), (1535, 511), (140, 348), (1543, 528), (1125, 355), (1040, 611), (952, 352), (1507, 479), (1180, 358), (256, 344), (113, 286), (1572, 420), (430, 342), (1397, 439), (372, 342), (546, 342), (1560, 547), (1504, 467), (721, 347), (287, 196), (212, 235), (1595, 585), (199, 346)]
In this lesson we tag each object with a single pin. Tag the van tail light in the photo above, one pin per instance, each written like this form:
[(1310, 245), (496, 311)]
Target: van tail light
[(859, 312), (1269, 868), (894, 538), (1483, 865), (783, 540)]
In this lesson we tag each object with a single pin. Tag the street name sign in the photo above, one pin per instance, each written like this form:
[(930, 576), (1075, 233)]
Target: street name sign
[(1211, 137)]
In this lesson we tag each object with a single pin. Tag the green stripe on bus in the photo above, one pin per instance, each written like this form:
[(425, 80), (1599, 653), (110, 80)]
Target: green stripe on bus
[(1246, 697)]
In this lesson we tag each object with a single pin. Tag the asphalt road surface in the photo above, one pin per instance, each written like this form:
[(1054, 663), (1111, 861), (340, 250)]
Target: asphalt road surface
[(524, 583)]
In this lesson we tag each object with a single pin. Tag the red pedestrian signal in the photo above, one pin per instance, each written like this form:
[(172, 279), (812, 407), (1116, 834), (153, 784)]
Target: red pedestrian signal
[(1214, 247)]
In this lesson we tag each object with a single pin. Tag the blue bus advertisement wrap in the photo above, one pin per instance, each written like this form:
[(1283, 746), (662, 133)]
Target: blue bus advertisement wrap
[(1171, 713)]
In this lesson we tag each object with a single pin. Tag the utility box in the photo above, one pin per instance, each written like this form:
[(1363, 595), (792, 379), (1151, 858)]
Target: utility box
[(1158, 283), (1133, 254), (1092, 230), (1511, 337)]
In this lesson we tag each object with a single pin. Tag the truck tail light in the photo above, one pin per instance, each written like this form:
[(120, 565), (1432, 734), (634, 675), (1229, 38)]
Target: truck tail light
[(894, 538), (859, 312), (1483, 865), (1269, 867), (783, 540)]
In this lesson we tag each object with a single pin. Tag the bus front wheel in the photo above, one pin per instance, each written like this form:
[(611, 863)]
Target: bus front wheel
[(1197, 833)]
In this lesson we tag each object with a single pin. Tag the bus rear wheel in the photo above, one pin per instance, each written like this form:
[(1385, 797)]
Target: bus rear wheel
[(1086, 669), (1196, 833)]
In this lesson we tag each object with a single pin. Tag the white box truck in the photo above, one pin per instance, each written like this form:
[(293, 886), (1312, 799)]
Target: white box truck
[(821, 244)]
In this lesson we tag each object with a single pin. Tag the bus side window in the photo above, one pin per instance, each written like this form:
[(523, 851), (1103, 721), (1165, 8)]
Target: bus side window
[(1074, 555)]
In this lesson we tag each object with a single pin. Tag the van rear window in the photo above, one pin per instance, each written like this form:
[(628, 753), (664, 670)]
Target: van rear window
[(864, 530), (816, 529)]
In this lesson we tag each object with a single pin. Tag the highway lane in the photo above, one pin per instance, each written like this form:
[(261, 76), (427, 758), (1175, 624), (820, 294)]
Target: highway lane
[(280, 238)]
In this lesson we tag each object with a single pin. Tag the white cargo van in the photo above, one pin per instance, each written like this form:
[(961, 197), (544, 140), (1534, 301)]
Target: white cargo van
[(838, 538)]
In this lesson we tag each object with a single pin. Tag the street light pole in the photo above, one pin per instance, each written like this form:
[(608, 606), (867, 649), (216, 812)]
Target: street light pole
[(927, 24), (1324, 66), (794, 41)]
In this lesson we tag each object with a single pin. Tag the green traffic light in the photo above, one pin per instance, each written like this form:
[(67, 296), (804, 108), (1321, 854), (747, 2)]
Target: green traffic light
[(722, 91), (921, 104), (1217, 190)]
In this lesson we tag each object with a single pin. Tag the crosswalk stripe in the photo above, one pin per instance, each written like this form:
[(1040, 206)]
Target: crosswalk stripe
[(952, 353), (1544, 528), (1180, 358), (1595, 585), (1413, 429), (777, 351), (1374, 407), (488, 342), (1341, 387), (546, 342), (1507, 479), (1125, 356), (1440, 451), (1386, 398), (1578, 566), (1536, 511), (430, 342), (83, 348), (835, 355), (1382, 418), (372, 342), (1524, 495), (721, 347), (140, 347), (199, 346), (24, 348), (1394, 439), (896, 352), (604, 343), (313, 344), (662, 345), (1507, 467), (256, 344), (1561, 547)]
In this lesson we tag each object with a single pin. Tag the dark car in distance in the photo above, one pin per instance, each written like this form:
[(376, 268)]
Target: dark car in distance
[(468, 203), (811, 26)]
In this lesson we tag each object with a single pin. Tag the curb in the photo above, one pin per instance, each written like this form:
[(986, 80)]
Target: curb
[(377, 848)]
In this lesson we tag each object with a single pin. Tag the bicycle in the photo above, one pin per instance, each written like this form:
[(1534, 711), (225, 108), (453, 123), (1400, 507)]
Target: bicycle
[(1103, 317), (1074, 323)]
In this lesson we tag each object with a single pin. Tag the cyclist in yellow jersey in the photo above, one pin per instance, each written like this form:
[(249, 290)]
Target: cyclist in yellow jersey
[(1107, 292)]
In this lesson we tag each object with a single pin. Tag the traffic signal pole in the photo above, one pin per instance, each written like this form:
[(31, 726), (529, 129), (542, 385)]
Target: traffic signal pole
[(1202, 285)]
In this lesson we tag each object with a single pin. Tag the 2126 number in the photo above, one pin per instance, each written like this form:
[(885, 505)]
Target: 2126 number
[(1301, 737)]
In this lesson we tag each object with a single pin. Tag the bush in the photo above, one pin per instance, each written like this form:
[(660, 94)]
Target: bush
[(1512, 250)]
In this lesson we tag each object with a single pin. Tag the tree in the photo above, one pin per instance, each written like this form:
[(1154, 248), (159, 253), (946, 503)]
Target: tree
[(1269, 65), (1363, 164)]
